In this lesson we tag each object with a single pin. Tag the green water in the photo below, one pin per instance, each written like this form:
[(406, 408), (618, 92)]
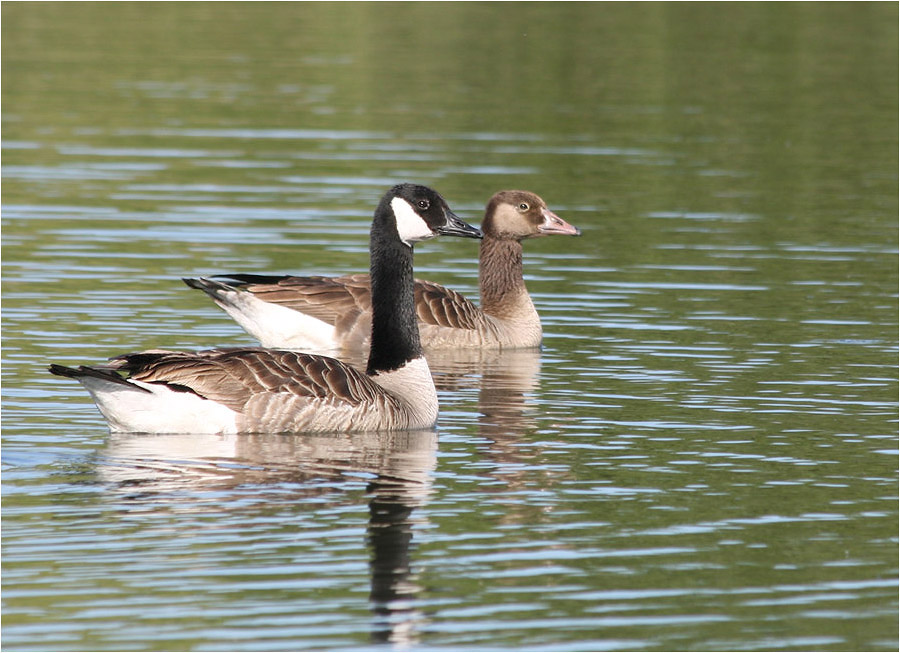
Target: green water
[(703, 455)]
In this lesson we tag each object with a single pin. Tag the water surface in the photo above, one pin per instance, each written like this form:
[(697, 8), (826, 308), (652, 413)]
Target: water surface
[(701, 457)]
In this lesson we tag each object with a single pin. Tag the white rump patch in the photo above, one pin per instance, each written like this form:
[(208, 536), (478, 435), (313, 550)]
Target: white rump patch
[(410, 226), (276, 326), (159, 411)]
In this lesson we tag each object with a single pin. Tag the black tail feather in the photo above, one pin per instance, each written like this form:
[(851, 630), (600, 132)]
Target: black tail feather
[(247, 279), (209, 286), (62, 370), (235, 281), (98, 373)]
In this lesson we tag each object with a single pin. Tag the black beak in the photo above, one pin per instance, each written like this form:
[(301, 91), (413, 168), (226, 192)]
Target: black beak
[(456, 227)]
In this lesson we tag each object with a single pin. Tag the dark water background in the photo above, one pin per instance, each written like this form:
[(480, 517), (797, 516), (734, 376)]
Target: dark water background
[(703, 455)]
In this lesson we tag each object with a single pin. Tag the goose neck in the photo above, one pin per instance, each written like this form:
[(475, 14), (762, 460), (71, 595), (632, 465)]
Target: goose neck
[(395, 332), (500, 276)]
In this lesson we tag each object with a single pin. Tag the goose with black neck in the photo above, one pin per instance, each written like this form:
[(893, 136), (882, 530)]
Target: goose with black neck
[(247, 390)]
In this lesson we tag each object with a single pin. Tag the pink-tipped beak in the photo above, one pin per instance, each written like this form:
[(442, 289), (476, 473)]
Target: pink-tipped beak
[(553, 224)]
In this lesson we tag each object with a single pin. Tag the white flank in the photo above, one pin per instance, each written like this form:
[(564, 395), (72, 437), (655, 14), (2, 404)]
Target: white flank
[(413, 385), (277, 327), (410, 226), (159, 411)]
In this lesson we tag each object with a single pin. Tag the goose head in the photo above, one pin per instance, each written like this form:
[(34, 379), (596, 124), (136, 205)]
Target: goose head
[(420, 213), (519, 214)]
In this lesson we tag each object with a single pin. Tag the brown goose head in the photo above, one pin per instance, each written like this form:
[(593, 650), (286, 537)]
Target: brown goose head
[(519, 214)]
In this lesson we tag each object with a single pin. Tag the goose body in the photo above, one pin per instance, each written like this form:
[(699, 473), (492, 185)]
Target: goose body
[(247, 390), (317, 313)]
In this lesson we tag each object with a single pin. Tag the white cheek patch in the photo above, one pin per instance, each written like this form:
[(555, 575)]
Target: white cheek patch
[(410, 226)]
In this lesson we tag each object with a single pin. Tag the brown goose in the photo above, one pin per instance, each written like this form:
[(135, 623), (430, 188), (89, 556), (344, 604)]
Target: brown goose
[(258, 390), (334, 313)]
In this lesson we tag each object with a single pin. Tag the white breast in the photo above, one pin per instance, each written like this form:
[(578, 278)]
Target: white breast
[(413, 385)]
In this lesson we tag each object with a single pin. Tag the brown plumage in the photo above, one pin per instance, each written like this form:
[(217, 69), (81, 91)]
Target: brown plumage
[(268, 388), (341, 305), (250, 390)]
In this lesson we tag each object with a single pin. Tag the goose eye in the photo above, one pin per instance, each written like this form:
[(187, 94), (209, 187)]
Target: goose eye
[(524, 206), (423, 204)]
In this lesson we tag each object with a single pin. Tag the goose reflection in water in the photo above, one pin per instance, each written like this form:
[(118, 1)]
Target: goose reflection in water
[(156, 472), (506, 382), (508, 418)]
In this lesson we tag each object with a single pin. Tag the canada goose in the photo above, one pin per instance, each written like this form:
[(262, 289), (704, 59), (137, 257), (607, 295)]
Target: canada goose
[(333, 313), (247, 390)]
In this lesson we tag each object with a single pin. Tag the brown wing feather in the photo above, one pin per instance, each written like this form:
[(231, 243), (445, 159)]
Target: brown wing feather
[(440, 306), (325, 298), (233, 377), (342, 300)]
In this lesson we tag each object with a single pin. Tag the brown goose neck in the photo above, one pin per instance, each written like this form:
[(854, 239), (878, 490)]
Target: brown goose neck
[(500, 272)]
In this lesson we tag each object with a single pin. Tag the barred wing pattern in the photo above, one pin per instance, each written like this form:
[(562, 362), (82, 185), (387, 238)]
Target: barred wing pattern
[(324, 298), (345, 302), (273, 390), (440, 306)]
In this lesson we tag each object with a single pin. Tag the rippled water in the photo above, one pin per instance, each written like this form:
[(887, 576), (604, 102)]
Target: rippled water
[(702, 456)]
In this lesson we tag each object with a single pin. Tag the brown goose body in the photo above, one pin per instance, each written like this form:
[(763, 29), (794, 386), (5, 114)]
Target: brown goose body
[(251, 390), (333, 313)]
